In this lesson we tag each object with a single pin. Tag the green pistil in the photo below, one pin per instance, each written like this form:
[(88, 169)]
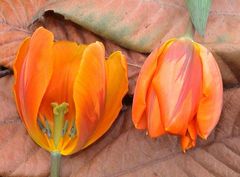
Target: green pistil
[(59, 111), (60, 128), (60, 125)]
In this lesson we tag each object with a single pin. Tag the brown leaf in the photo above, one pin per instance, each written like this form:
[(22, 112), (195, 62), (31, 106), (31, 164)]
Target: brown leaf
[(15, 24), (13, 30), (142, 25), (123, 151)]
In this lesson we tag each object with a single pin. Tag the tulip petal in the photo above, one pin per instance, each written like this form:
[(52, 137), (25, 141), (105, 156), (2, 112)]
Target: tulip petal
[(21, 54), (34, 76), (67, 57), (155, 124), (117, 87), (88, 94), (178, 85), (211, 103), (144, 80), (189, 139)]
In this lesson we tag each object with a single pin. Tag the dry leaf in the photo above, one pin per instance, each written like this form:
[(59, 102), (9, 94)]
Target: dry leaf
[(141, 25), (123, 151), (15, 24)]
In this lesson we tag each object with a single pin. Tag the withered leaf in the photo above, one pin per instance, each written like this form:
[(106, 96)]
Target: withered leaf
[(124, 151)]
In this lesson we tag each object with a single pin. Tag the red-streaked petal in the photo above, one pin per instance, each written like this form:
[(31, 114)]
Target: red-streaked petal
[(178, 85), (153, 113), (117, 87), (89, 94), (34, 76), (144, 80), (211, 103)]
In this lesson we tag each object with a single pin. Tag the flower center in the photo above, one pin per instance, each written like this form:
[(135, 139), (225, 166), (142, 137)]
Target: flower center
[(60, 125)]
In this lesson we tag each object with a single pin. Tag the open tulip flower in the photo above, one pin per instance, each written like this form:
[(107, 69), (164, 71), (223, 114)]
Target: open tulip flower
[(67, 94), (179, 91)]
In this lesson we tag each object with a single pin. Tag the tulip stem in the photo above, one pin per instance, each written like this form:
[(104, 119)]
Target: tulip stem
[(190, 30), (55, 164)]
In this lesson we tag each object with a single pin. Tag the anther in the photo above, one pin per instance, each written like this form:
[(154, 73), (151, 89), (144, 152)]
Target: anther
[(73, 130), (41, 126), (65, 128), (49, 132)]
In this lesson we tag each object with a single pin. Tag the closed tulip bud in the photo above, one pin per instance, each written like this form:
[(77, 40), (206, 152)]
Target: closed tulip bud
[(178, 91), (67, 94)]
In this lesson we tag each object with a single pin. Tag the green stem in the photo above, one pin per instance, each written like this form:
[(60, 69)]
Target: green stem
[(199, 11), (58, 111), (55, 164), (190, 30)]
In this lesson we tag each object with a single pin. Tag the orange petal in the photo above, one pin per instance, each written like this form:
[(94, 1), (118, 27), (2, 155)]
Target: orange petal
[(21, 55), (88, 94), (211, 103), (67, 57), (155, 124), (178, 85), (117, 87), (186, 142), (32, 81), (189, 139), (144, 80)]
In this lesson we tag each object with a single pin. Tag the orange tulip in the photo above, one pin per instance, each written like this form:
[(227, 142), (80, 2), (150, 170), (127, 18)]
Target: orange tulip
[(67, 94), (179, 91)]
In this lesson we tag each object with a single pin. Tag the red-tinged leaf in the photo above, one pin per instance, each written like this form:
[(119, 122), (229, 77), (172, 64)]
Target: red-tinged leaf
[(227, 46), (142, 25), (125, 151), (154, 22), (15, 24)]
